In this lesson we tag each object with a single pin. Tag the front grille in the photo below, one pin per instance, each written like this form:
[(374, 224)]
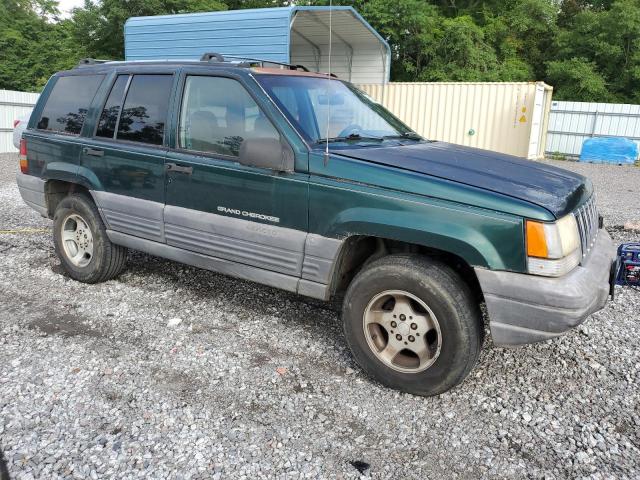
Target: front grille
[(587, 218)]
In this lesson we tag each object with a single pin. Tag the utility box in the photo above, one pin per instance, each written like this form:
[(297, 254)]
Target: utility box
[(506, 117), (296, 34)]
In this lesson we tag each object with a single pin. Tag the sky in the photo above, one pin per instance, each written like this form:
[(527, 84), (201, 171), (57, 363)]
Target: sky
[(66, 6)]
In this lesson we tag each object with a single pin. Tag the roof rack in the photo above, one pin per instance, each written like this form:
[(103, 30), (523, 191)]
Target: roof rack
[(248, 61), (90, 61)]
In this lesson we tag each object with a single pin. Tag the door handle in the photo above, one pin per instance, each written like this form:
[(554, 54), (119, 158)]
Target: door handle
[(173, 167), (93, 152)]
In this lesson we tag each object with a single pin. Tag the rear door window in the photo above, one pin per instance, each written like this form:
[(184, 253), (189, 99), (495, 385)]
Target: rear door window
[(144, 113), (68, 103)]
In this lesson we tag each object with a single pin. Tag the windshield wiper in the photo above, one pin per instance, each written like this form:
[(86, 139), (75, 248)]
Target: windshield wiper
[(353, 136), (409, 135)]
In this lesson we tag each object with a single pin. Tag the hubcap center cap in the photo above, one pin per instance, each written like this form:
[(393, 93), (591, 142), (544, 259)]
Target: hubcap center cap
[(403, 328)]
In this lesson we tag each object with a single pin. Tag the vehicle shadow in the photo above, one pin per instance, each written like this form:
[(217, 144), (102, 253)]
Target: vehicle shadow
[(322, 317), (4, 470)]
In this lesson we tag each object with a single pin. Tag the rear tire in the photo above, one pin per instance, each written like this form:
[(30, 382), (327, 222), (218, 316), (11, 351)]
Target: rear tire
[(81, 242), (412, 324)]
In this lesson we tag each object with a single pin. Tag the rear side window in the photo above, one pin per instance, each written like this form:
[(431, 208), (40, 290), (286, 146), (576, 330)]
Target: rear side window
[(109, 117), (144, 113), (68, 103)]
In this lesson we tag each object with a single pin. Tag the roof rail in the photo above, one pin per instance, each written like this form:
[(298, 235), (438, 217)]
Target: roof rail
[(207, 57), (90, 61), (249, 62)]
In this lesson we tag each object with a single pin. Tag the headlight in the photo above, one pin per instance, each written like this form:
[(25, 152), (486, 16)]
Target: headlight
[(553, 249)]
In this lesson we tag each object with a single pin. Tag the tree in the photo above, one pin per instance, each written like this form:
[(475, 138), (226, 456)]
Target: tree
[(32, 47), (587, 49), (577, 78), (461, 54), (99, 27), (608, 41)]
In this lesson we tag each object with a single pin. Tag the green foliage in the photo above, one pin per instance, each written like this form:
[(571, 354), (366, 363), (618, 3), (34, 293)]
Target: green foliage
[(608, 40), (558, 156), (578, 78), (31, 47), (588, 50), (100, 26)]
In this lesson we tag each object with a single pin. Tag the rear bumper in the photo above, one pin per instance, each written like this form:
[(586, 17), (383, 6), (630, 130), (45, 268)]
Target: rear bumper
[(528, 308), (32, 192)]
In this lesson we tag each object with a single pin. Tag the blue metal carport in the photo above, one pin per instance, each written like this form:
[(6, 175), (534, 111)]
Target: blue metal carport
[(296, 34)]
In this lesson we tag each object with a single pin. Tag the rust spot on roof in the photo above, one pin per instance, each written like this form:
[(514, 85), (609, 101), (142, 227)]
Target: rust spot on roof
[(286, 71)]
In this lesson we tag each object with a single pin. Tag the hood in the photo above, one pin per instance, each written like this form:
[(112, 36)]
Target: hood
[(552, 188)]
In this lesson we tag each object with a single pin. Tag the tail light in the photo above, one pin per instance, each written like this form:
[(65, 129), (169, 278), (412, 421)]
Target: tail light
[(16, 123), (23, 156)]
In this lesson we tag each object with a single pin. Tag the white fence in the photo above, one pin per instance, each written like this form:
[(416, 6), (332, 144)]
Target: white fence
[(571, 123), (13, 105)]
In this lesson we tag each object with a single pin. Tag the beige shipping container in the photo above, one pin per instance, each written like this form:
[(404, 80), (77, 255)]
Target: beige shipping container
[(505, 117)]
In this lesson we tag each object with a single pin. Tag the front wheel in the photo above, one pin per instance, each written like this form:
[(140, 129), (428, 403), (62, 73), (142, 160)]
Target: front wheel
[(412, 324), (81, 242)]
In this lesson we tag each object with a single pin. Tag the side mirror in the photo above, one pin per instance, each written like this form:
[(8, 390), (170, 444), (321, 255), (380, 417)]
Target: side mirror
[(271, 153)]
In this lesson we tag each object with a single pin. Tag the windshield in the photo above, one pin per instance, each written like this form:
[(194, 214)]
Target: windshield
[(322, 108)]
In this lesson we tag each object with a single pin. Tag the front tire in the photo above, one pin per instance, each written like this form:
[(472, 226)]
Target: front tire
[(412, 324), (81, 242)]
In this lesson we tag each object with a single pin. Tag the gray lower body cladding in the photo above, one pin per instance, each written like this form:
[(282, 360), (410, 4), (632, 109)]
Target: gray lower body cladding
[(290, 259), (32, 191), (282, 257), (239, 270), (528, 308)]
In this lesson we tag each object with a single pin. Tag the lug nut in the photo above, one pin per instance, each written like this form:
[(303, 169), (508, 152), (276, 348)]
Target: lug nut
[(394, 324), (398, 337), (411, 339), (414, 326), (403, 317)]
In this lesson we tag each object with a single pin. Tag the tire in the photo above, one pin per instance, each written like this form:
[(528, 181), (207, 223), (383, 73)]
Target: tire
[(102, 260), (419, 289)]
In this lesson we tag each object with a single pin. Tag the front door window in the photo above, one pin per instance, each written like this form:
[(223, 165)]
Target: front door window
[(218, 114)]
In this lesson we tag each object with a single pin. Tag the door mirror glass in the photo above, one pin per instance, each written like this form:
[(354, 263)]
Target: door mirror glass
[(265, 152)]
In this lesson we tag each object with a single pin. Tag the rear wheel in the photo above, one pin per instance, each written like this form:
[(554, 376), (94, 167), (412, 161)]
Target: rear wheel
[(81, 242), (412, 324)]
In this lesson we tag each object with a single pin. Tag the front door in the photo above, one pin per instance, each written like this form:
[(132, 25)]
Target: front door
[(256, 217), (126, 154)]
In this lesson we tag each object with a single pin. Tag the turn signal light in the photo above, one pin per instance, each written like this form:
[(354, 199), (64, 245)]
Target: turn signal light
[(553, 249), (24, 167), (536, 241)]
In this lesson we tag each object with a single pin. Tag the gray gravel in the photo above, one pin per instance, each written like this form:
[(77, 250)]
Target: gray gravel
[(174, 372)]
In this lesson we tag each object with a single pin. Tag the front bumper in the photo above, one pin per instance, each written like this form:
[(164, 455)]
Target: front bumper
[(528, 308)]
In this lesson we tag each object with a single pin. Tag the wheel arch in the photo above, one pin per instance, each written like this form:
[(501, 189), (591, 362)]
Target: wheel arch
[(357, 251), (56, 190)]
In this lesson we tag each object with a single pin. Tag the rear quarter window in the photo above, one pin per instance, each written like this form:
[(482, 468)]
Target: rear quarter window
[(68, 103)]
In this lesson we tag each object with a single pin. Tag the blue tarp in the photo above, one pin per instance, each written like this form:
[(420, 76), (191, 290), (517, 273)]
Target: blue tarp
[(616, 150)]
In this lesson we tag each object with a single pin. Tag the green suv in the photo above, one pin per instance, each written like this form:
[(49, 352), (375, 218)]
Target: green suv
[(300, 181)]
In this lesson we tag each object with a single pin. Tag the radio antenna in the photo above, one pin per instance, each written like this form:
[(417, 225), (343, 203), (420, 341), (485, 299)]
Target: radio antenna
[(326, 148)]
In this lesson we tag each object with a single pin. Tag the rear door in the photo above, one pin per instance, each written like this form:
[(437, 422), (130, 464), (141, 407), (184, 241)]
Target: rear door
[(125, 155), (218, 207)]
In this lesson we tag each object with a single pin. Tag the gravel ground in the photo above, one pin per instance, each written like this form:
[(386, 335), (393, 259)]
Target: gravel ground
[(174, 372)]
